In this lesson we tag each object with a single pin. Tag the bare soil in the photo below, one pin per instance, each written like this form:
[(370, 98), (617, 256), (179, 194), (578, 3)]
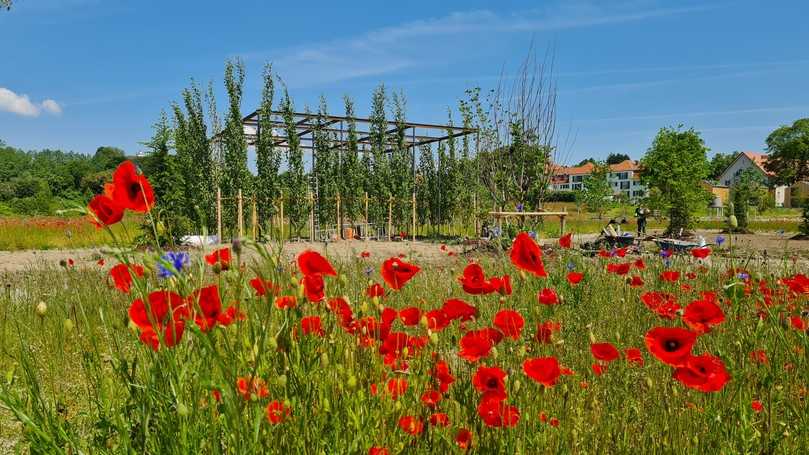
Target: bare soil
[(769, 245)]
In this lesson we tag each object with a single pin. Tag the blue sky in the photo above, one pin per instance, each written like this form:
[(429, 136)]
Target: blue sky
[(77, 74)]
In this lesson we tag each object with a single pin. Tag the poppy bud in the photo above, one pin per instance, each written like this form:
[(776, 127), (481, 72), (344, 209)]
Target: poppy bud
[(424, 321), (343, 279), (326, 405), (68, 325), (237, 246), (434, 338), (734, 223), (364, 307), (273, 343), (41, 308), (324, 359), (301, 291), (375, 300), (494, 352), (517, 385), (397, 405), (522, 275), (293, 280), (405, 351), (182, 410), (522, 351), (281, 380), (352, 382)]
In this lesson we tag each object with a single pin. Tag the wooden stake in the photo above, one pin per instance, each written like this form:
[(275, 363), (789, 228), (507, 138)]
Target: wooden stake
[(475, 214), (390, 217), (413, 227), (219, 215), (367, 226), (281, 219), (339, 220), (254, 218), (311, 217), (240, 214), (562, 225)]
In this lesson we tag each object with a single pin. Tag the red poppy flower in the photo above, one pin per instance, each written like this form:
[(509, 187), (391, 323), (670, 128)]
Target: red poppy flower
[(220, 257), (411, 425), (574, 277), (474, 346), (757, 406), (490, 380), (604, 351), (496, 413), (132, 190), (759, 357), (311, 262), (172, 333), (545, 331), (410, 315), (365, 254), (526, 255), (633, 355), (510, 323), (701, 252), (474, 282), (277, 412), (105, 211), (163, 307), (661, 303), (544, 370), (437, 320), (249, 386), (639, 264), (210, 308), (798, 323), (396, 272), (312, 325), (396, 387), (598, 369), (375, 290), (619, 268), (431, 398), (671, 345), (122, 276), (458, 309), (548, 296), (442, 375), (314, 287), (285, 301), (565, 241), (262, 287), (705, 373), (554, 422), (378, 451), (636, 281), (670, 275), (504, 285), (798, 284), (604, 253), (701, 315), (463, 438), (340, 307), (439, 419)]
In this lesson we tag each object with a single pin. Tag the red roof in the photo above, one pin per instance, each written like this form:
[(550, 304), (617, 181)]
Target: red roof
[(587, 168), (759, 159)]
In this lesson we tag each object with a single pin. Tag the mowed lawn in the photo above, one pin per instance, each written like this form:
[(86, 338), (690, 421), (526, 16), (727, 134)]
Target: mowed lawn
[(408, 370)]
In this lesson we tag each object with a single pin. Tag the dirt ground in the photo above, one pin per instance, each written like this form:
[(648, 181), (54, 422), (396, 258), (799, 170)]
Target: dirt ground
[(772, 245)]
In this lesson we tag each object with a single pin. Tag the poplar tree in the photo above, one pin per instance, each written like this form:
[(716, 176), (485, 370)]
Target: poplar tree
[(325, 169), (235, 176), (380, 170), (268, 158), (351, 182), (401, 173), (295, 184)]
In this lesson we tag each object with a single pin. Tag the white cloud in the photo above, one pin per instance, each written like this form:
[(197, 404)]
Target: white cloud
[(21, 104), (17, 104), (52, 107), (421, 42)]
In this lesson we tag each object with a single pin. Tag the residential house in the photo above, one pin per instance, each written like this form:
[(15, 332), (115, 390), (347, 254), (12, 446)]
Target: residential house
[(755, 161), (624, 178)]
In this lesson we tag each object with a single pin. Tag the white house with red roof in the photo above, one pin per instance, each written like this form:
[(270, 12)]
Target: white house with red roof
[(755, 161), (624, 178)]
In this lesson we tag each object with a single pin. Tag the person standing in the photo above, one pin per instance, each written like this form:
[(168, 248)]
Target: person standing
[(640, 214)]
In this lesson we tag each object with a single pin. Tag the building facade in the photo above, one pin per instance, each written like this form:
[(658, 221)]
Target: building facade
[(756, 162), (624, 178)]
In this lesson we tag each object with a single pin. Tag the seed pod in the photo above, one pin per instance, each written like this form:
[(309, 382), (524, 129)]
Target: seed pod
[(68, 325), (41, 308)]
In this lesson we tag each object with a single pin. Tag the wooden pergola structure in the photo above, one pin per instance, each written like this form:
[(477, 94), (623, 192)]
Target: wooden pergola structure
[(307, 124), (561, 215)]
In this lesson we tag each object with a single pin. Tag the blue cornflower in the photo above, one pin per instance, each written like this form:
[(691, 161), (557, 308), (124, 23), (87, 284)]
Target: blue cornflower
[(666, 263), (571, 266), (743, 276), (177, 259), (368, 271), (532, 234), (520, 207), (665, 254), (720, 240)]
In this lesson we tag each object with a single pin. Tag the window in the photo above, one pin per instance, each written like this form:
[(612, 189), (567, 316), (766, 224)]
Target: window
[(623, 175), (564, 187), (577, 178), (624, 185), (576, 186)]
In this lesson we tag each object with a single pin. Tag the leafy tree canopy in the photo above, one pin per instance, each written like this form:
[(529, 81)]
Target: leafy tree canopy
[(788, 148), (615, 158), (719, 163)]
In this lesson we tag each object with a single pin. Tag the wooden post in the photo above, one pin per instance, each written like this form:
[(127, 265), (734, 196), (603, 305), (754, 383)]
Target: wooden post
[(219, 215), (413, 227), (562, 224), (475, 214), (311, 217), (240, 214), (254, 218), (339, 220), (281, 219), (390, 217), (367, 226)]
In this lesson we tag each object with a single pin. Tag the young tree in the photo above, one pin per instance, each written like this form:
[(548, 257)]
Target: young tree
[(789, 159), (719, 163), (615, 158), (268, 158), (401, 171), (351, 185), (296, 187), (596, 192), (426, 189), (380, 188), (194, 157), (676, 164), (236, 176), (326, 169)]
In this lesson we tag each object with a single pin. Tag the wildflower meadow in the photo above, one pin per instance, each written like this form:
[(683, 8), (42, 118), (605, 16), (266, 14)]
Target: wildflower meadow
[(242, 349)]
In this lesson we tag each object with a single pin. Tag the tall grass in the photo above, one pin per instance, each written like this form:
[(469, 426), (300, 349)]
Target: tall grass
[(55, 232), (77, 380)]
